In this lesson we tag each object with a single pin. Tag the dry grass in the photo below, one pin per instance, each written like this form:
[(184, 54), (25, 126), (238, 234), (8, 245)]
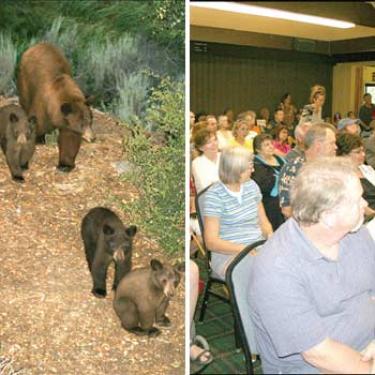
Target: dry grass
[(49, 321)]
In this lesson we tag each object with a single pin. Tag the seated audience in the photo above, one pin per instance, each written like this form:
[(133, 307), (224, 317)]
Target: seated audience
[(267, 167), (280, 142), (299, 135), (351, 115), (224, 134), (230, 116), (348, 125), (233, 212), (320, 141), (278, 119), (250, 118), (205, 167), (312, 287), (289, 109), (211, 123), (240, 131), (351, 145)]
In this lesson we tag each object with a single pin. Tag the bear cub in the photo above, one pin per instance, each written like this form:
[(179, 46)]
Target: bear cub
[(17, 138), (143, 295), (106, 239)]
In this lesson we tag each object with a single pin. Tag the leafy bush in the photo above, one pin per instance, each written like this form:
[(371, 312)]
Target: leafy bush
[(159, 169), (8, 59)]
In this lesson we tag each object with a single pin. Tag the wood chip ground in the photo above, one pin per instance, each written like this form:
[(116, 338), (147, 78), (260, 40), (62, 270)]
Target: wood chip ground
[(50, 323)]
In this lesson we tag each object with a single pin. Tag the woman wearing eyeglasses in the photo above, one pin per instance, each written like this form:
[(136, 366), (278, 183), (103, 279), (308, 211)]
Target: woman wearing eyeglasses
[(351, 146)]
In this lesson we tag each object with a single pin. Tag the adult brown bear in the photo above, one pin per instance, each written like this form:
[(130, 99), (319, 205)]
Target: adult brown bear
[(48, 92)]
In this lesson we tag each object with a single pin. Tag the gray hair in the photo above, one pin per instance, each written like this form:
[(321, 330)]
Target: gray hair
[(320, 186), (317, 132), (301, 129), (233, 162)]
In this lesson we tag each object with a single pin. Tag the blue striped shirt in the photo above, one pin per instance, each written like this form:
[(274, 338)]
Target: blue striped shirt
[(238, 217)]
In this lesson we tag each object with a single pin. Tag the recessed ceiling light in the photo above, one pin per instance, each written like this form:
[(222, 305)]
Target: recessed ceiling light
[(273, 13)]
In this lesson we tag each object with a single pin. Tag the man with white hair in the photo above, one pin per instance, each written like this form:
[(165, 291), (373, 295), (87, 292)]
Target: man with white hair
[(319, 141), (312, 287), (299, 134)]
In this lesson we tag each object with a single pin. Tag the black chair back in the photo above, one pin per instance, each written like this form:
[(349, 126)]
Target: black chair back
[(198, 206), (237, 281)]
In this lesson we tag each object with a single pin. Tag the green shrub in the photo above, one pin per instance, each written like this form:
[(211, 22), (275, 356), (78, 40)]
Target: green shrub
[(8, 59), (132, 90), (159, 169)]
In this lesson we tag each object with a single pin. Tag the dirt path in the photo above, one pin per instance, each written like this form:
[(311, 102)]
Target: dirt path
[(49, 321)]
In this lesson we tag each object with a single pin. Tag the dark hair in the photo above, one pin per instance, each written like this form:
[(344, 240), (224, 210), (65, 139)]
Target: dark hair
[(284, 97), (201, 137), (258, 140), (278, 130), (347, 142), (367, 94), (277, 110)]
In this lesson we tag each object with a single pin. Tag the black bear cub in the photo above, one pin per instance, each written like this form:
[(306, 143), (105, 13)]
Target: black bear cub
[(106, 239), (143, 295), (17, 137)]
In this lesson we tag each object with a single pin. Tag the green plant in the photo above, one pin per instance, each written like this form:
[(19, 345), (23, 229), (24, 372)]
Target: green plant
[(159, 168)]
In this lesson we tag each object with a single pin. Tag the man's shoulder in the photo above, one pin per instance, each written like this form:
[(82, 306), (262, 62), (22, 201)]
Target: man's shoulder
[(293, 166)]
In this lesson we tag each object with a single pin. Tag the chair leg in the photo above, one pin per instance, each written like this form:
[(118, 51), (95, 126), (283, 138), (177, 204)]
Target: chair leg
[(237, 336), (205, 300)]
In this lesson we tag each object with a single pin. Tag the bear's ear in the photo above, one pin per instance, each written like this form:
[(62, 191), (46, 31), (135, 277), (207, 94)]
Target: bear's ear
[(66, 108), (131, 231), (108, 230), (13, 117), (156, 265)]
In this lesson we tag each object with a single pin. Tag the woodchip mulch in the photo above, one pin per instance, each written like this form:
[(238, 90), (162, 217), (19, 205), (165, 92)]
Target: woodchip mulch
[(50, 323)]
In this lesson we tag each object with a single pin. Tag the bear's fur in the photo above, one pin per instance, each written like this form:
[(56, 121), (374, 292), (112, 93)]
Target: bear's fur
[(106, 239), (47, 90), (17, 138), (143, 295)]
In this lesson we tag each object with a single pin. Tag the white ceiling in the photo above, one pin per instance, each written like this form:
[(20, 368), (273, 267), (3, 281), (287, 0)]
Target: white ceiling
[(241, 22)]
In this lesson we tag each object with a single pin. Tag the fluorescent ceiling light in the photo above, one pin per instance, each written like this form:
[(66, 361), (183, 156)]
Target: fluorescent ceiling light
[(273, 13)]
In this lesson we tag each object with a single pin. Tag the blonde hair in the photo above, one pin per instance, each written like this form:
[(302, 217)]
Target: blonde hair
[(317, 90), (237, 125), (320, 186), (233, 162)]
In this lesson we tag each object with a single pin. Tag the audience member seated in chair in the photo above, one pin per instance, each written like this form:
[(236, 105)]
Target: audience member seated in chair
[(280, 143), (240, 131), (312, 287), (320, 141), (351, 146), (233, 212), (205, 168), (267, 167)]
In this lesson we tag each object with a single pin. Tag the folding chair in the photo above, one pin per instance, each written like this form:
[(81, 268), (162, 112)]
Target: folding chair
[(237, 279), (212, 278)]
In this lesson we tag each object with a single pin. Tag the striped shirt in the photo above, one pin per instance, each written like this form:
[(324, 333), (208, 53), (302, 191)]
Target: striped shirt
[(238, 217)]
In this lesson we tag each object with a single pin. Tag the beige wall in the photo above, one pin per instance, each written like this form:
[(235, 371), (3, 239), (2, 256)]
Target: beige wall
[(367, 74), (343, 85)]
